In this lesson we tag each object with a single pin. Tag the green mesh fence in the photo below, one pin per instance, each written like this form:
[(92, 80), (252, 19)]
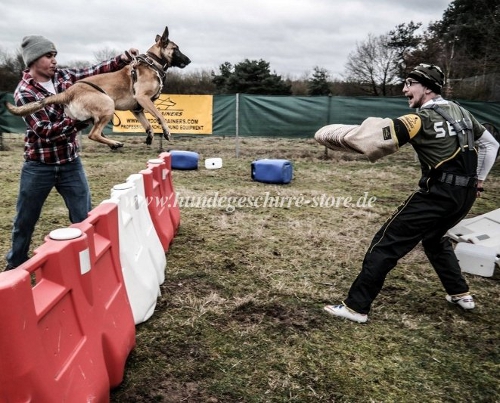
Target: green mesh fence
[(288, 116)]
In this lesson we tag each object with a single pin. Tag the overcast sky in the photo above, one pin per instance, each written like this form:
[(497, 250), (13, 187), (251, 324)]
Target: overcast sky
[(294, 36)]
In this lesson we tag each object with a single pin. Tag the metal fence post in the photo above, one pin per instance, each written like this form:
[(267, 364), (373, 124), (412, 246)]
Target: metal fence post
[(237, 125)]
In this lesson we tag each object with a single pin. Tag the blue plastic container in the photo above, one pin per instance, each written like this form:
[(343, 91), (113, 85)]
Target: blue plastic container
[(184, 159), (272, 171)]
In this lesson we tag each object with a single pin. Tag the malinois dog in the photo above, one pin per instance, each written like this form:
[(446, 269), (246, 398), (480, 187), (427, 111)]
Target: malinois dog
[(134, 88)]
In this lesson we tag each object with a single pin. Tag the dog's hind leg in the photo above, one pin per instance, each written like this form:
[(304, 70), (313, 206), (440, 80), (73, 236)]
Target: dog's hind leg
[(96, 132), (100, 108), (139, 114)]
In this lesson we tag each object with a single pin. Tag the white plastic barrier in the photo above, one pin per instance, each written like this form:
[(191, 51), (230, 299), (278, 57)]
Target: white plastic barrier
[(481, 230), (478, 247), (476, 259), (142, 256), (151, 238)]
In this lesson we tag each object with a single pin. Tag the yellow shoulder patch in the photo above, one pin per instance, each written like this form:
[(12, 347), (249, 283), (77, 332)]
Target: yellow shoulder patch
[(412, 122)]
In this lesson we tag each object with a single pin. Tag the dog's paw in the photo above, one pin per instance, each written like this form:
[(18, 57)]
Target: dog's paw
[(116, 146), (167, 136), (149, 140)]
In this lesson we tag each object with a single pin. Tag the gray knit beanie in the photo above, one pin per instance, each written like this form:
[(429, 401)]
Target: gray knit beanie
[(34, 47)]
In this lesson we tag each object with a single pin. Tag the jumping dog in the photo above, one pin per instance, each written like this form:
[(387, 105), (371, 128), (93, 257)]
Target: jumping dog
[(134, 88)]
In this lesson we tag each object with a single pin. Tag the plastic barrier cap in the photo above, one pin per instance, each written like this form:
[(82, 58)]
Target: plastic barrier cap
[(155, 161), (123, 186), (65, 234)]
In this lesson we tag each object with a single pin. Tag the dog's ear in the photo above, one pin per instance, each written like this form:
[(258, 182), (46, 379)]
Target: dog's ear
[(162, 40), (164, 37)]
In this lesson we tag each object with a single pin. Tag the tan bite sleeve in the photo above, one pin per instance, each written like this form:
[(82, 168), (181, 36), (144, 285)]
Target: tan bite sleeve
[(375, 138)]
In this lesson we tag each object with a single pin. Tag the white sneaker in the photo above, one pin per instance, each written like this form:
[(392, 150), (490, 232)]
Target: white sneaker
[(345, 312), (464, 301)]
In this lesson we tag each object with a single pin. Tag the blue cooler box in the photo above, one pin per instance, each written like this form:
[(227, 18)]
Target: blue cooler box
[(272, 171), (184, 159)]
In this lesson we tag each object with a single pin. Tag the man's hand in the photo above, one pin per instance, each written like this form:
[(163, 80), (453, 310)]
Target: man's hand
[(479, 188), (81, 125), (128, 55)]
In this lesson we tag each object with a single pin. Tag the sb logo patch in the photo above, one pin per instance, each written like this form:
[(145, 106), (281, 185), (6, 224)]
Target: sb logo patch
[(413, 124)]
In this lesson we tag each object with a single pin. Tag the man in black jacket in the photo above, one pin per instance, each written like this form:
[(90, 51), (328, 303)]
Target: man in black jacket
[(456, 153)]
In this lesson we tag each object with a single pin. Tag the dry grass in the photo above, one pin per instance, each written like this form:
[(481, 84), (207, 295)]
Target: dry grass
[(240, 318)]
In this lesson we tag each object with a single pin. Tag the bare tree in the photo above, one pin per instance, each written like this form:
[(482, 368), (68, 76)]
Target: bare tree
[(372, 65), (11, 67), (105, 54), (77, 64), (194, 83)]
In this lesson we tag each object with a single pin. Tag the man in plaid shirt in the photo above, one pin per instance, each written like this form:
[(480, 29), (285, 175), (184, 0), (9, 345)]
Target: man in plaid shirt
[(51, 144)]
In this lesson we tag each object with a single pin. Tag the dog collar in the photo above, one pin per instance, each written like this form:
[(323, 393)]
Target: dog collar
[(165, 66)]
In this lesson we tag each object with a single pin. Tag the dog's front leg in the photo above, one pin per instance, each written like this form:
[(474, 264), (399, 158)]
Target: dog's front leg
[(149, 107), (139, 115)]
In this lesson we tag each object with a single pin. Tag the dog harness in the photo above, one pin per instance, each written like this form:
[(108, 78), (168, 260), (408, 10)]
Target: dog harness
[(149, 60)]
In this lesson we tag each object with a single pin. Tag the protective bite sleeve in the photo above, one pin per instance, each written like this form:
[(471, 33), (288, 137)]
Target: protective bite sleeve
[(375, 138)]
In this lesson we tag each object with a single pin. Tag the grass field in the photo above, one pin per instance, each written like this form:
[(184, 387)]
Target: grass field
[(241, 318)]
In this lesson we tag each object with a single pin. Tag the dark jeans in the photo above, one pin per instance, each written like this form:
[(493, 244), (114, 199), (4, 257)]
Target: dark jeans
[(426, 217), (37, 180)]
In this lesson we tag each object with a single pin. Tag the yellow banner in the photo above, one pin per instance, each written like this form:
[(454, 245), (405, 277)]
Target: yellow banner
[(184, 114)]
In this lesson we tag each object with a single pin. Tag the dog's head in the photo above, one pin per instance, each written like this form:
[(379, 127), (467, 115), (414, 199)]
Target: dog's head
[(170, 52)]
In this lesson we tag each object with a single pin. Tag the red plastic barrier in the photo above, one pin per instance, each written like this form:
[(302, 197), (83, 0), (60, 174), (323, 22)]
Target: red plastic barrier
[(66, 338), (46, 355), (168, 184), (112, 310), (159, 201)]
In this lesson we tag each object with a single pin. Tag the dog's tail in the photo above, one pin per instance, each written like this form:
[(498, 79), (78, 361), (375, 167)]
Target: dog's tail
[(33, 107)]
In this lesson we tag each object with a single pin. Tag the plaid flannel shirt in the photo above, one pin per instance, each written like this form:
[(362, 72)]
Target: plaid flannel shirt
[(51, 135)]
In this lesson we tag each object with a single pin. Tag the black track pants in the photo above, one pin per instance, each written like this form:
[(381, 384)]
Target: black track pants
[(426, 217)]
